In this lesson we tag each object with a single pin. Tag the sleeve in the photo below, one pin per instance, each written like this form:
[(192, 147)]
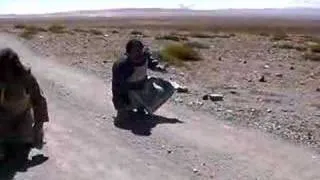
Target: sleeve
[(38, 100)]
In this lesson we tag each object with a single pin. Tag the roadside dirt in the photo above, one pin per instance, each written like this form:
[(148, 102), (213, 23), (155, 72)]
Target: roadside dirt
[(82, 142), (286, 105)]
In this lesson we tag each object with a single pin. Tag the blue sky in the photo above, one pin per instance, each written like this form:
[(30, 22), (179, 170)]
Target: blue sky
[(47, 6)]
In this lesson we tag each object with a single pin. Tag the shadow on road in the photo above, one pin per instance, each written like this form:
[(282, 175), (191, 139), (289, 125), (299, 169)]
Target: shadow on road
[(9, 170), (142, 125)]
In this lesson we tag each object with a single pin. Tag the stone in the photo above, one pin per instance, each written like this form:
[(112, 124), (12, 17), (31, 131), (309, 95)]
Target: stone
[(169, 151), (269, 110), (262, 79), (318, 89), (245, 62), (229, 111), (178, 100), (234, 92), (182, 89), (195, 170), (216, 97), (205, 97), (220, 58), (279, 75), (266, 66), (291, 68)]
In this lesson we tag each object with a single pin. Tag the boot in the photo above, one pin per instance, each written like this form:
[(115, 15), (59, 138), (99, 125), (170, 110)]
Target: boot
[(122, 119)]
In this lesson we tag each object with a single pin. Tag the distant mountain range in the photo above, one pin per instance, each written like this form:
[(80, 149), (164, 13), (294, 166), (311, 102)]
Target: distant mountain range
[(291, 13)]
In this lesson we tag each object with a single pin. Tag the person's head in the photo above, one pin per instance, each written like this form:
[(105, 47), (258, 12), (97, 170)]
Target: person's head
[(10, 65), (134, 50)]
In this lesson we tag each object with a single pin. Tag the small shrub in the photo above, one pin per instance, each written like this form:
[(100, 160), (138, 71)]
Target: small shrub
[(301, 48), (96, 32), (56, 28), (168, 37), (284, 46), (315, 48), (314, 39), (30, 30), (206, 36), (223, 36), (265, 34), (279, 36), (312, 56), (136, 33), (179, 53), (79, 30), (198, 45), (28, 34), (201, 35), (290, 46), (115, 32), (35, 28), (19, 26)]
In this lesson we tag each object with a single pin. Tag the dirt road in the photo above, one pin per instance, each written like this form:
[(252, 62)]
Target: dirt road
[(82, 142)]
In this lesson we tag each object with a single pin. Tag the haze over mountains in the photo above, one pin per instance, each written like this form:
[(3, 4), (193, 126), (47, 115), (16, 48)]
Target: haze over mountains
[(291, 13)]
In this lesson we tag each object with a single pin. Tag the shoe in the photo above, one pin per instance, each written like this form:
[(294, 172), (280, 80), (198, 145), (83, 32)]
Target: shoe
[(122, 119)]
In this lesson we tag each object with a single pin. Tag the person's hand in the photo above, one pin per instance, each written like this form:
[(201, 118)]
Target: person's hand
[(161, 68)]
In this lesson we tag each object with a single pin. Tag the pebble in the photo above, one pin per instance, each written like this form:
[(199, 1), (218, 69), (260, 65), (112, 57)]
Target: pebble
[(234, 92), (220, 58), (318, 89), (269, 110), (314, 157), (178, 100), (266, 66), (169, 151), (195, 170), (216, 97), (279, 75), (182, 89), (262, 79), (291, 68), (205, 97), (245, 62)]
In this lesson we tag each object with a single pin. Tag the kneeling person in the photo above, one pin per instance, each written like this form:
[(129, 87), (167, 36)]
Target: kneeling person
[(132, 88)]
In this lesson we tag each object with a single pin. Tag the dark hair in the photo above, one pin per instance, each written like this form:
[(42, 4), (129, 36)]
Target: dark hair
[(9, 60), (133, 43)]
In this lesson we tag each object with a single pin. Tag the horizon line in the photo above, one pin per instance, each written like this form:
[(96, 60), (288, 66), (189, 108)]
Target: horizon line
[(186, 9)]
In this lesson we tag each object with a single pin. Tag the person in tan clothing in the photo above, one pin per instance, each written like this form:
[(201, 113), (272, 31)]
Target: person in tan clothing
[(23, 108)]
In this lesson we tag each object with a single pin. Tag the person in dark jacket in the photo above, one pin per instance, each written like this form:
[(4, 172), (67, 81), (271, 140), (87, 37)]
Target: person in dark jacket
[(23, 107), (130, 73)]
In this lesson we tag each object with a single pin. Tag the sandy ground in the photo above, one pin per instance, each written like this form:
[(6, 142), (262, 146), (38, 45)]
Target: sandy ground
[(286, 105), (82, 142)]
